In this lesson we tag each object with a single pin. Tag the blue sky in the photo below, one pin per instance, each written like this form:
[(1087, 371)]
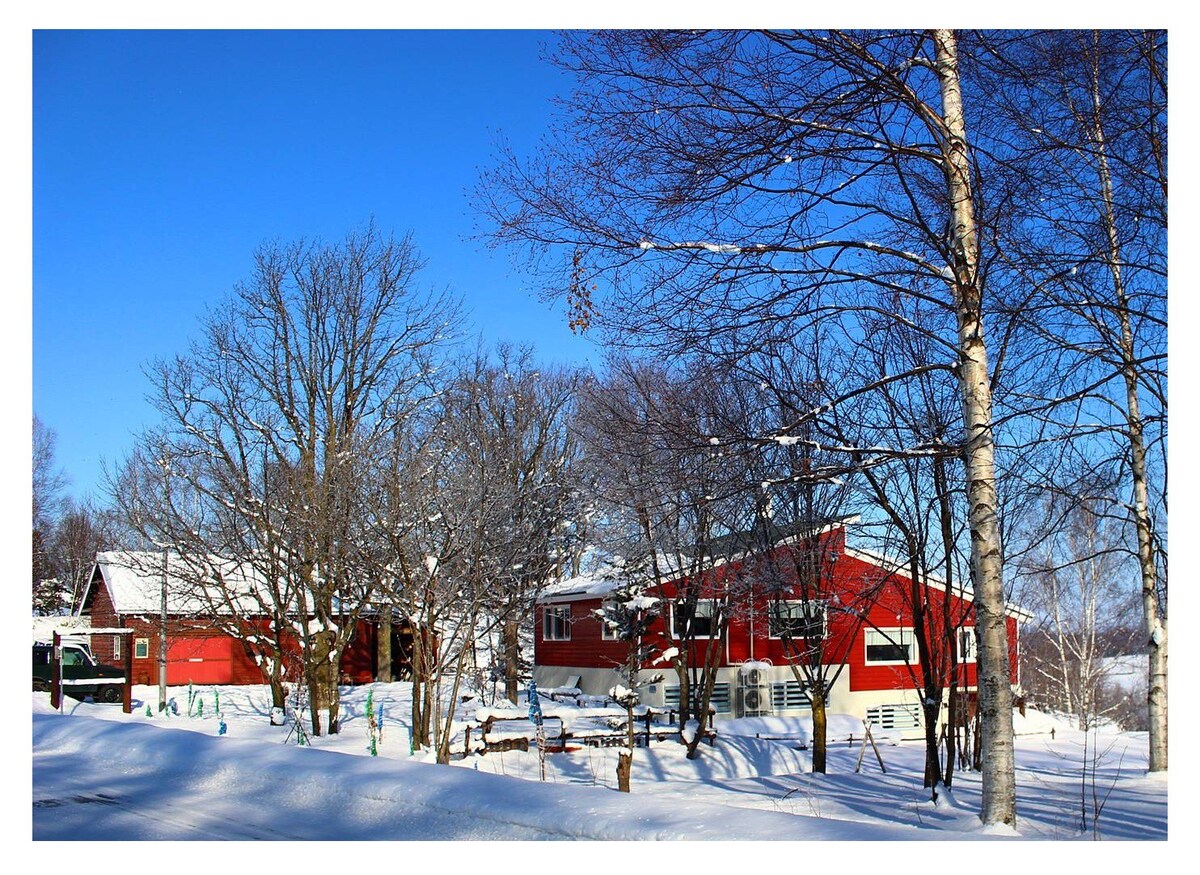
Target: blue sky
[(163, 158)]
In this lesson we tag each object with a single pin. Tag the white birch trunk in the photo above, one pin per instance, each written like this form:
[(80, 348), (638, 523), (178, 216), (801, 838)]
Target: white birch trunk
[(999, 803), (1155, 626)]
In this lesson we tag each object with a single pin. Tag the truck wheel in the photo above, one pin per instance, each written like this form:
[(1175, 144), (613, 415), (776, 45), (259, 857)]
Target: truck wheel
[(41, 685), (110, 694)]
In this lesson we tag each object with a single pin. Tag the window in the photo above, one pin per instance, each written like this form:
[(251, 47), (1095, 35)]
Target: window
[(73, 656), (141, 648), (796, 619), (607, 632), (116, 647), (556, 623), (967, 644), (705, 616), (41, 655), (891, 647)]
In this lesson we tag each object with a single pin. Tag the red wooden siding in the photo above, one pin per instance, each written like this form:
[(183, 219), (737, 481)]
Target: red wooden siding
[(853, 583), (196, 660), (199, 652), (586, 648)]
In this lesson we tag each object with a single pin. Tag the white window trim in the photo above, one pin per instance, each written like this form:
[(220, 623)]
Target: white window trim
[(606, 632), (141, 643), (967, 633), (819, 602), (116, 647), (716, 613), (557, 611), (893, 633)]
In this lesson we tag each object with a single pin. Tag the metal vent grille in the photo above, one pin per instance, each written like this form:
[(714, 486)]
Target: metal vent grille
[(894, 716)]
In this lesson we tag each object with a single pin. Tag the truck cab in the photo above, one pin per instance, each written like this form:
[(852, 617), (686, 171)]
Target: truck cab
[(82, 675)]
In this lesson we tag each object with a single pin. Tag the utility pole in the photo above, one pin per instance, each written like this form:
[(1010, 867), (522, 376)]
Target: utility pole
[(162, 640), (162, 624)]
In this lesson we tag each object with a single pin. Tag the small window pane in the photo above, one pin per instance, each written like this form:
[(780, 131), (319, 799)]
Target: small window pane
[(607, 632), (890, 646), (797, 619), (705, 621), (141, 648), (71, 656), (557, 623), (967, 644)]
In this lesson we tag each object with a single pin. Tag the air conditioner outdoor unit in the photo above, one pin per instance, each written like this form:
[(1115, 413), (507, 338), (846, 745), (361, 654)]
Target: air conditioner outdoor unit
[(754, 701)]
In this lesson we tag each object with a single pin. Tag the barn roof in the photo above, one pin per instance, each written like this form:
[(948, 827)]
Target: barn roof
[(134, 581)]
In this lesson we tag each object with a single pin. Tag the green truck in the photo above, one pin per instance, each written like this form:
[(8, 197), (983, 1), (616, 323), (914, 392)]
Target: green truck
[(82, 675)]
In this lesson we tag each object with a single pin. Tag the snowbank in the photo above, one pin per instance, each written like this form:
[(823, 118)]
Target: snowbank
[(188, 785), (838, 727)]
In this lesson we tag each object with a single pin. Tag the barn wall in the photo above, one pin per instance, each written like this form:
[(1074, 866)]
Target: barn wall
[(200, 651)]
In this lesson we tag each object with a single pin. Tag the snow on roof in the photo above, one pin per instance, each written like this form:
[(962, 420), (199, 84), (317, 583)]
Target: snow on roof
[(45, 627), (602, 582), (135, 580), (581, 587)]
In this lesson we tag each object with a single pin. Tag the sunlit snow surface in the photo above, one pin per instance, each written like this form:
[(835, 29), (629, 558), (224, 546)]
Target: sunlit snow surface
[(99, 774)]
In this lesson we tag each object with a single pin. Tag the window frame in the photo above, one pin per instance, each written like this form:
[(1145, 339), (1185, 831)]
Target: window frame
[(968, 644), (117, 647), (818, 603), (897, 632), (606, 633), (562, 615), (708, 604), (141, 648)]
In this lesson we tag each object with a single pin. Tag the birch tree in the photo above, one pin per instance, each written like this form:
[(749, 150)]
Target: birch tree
[(711, 183), (1086, 113)]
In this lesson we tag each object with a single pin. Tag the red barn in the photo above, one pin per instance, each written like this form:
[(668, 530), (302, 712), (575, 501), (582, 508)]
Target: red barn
[(125, 591), (862, 610)]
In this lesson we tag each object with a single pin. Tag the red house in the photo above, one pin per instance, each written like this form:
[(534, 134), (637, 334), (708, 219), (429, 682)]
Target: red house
[(861, 609), (125, 591)]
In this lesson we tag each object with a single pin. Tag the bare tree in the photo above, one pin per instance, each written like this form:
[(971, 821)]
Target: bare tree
[(48, 484), (83, 531), (1086, 115), (663, 500), (720, 182), (272, 424), (1079, 576), (511, 421), (629, 613)]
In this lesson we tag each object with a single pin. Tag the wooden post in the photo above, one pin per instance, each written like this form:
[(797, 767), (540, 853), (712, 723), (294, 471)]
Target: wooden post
[(867, 737), (127, 693), (56, 672)]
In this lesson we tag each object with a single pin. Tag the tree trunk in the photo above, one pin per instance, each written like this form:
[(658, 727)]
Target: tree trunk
[(820, 729), (420, 686), (999, 797), (275, 679), (932, 710), (1155, 627), (951, 731), (383, 646), (512, 660), (322, 684), (624, 767)]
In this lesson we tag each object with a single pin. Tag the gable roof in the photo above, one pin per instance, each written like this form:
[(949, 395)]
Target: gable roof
[(134, 581), (604, 581)]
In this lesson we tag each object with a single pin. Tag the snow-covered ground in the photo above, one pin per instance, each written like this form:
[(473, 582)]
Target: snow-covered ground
[(102, 774)]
